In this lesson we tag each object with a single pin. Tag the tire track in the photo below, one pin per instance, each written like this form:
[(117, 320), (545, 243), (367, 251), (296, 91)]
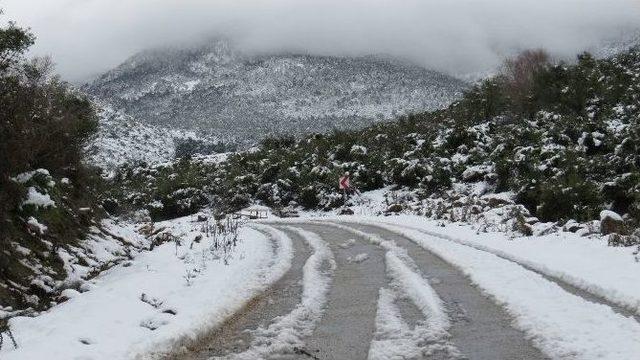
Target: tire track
[(562, 324), (622, 309), (409, 322), (479, 328), (347, 326), (283, 337), (232, 336)]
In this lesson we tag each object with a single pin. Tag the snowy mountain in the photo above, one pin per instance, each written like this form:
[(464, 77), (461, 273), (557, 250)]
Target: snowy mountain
[(218, 89), (121, 139)]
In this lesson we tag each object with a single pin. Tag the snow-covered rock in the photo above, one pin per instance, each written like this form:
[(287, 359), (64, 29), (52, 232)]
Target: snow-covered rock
[(611, 222)]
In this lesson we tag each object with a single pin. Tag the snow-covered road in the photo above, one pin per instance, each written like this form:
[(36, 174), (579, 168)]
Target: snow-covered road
[(353, 288), (399, 292)]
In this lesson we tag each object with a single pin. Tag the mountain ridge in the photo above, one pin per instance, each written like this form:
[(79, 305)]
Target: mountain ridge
[(218, 89)]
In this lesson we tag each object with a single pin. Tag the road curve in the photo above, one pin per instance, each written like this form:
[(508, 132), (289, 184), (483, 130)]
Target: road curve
[(369, 311)]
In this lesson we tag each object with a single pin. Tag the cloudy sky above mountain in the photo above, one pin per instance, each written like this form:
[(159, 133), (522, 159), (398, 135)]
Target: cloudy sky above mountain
[(87, 37)]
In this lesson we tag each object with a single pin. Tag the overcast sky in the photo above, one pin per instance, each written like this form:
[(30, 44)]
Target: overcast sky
[(86, 37)]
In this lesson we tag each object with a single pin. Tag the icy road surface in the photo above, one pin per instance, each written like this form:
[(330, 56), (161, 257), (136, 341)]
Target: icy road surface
[(381, 291)]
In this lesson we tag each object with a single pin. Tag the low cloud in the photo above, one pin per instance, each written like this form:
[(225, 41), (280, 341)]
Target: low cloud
[(87, 37)]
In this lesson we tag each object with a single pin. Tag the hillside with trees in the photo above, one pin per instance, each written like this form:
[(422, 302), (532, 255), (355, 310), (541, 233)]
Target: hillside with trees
[(560, 142)]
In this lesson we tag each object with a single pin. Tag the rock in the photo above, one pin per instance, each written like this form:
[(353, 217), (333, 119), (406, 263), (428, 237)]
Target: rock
[(346, 211), (161, 239), (476, 209), (496, 200), (532, 220), (394, 208), (358, 258), (153, 301), (476, 173), (170, 311), (156, 321), (572, 226), (87, 286), (611, 222), (146, 229), (202, 218), (86, 341)]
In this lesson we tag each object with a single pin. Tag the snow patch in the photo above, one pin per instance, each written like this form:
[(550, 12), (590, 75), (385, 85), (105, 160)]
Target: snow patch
[(358, 258), (347, 244), (34, 224), (27, 176), (38, 199), (111, 321), (395, 339)]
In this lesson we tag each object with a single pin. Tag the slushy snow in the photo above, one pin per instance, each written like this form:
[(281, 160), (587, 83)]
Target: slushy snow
[(289, 331)]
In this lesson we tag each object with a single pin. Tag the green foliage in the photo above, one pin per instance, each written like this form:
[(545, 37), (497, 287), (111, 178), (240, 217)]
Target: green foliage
[(14, 41), (571, 199), (188, 147), (308, 198), (45, 125), (276, 143)]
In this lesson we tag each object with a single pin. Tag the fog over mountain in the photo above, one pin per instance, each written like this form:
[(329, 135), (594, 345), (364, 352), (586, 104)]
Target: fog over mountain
[(463, 36), (219, 89)]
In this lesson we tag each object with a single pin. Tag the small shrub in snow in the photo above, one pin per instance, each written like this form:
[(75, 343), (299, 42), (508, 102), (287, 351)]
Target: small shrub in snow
[(616, 239), (156, 321), (5, 330)]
